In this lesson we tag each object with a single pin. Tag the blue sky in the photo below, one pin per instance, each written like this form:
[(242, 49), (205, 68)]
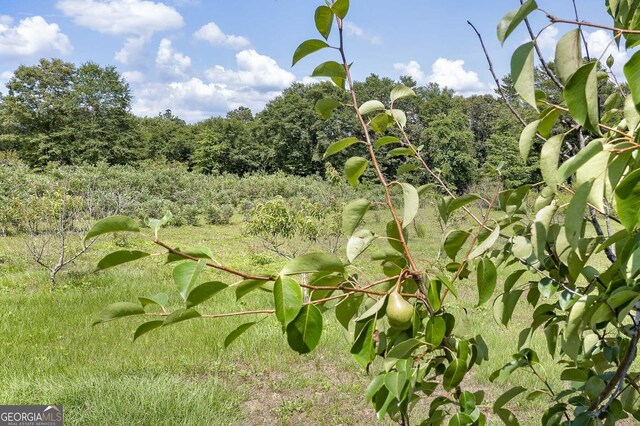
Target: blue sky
[(204, 57)]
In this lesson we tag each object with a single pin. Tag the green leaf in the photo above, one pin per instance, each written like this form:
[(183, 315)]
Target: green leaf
[(386, 140), (401, 151), (467, 402), (435, 330), (303, 333), (313, 262), (352, 215), (460, 202), (373, 310), (504, 305), (358, 243), (247, 286), (454, 241), (522, 72), (411, 203), (331, 69), (399, 117), (628, 200), (507, 396), (112, 224), (549, 159), (287, 296), (185, 276), (575, 211), (548, 119), (338, 146), (156, 224), (581, 95), (146, 327), (374, 386), (394, 236), (521, 247), (119, 310), (381, 122), (406, 168), (120, 257), (160, 299), (324, 108), (237, 332), (454, 374), (632, 73), (306, 48), (486, 279), (371, 106), (203, 292), (486, 244), (363, 349), (540, 229), (631, 113), (570, 166), (511, 20), (394, 382), (354, 167), (348, 308), (574, 321), (401, 91), (460, 419), (596, 170), (199, 252), (400, 351), (527, 137), (340, 8), (324, 20), (181, 315), (568, 55)]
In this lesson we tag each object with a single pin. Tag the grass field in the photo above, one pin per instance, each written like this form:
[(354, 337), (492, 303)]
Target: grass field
[(182, 375)]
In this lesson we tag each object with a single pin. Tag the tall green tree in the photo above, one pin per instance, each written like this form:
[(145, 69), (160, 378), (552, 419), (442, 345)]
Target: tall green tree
[(57, 112), (225, 145)]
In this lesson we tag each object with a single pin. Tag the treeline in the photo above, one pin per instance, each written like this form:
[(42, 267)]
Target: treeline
[(63, 114)]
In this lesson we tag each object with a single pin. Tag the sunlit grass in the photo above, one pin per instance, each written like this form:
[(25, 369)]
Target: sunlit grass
[(182, 374)]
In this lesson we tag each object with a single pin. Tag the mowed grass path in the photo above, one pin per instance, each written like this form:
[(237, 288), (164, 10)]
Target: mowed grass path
[(182, 375)]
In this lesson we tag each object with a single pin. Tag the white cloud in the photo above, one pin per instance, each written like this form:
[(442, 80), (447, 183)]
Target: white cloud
[(358, 32), (601, 44), (133, 77), (122, 17), (31, 36), (254, 70), (214, 35), (6, 75), (548, 39), (5, 21), (170, 62), (447, 73), (258, 79), (195, 100), (132, 50)]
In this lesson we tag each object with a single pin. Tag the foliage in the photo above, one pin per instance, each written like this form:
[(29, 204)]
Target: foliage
[(588, 313)]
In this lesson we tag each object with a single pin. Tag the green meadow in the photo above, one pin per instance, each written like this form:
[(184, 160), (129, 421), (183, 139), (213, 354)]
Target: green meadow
[(183, 375)]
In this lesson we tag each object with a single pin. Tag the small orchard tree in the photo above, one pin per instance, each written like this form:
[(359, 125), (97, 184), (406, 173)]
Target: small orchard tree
[(585, 299), (54, 220), (277, 223)]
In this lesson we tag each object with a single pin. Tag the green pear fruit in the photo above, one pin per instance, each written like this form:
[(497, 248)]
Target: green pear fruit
[(399, 311)]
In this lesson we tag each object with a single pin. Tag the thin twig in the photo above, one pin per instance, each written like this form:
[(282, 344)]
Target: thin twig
[(543, 62), (495, 78), (214, 265), (557, 20)]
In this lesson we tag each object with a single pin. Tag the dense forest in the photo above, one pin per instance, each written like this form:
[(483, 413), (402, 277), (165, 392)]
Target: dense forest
[(58, 113)]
